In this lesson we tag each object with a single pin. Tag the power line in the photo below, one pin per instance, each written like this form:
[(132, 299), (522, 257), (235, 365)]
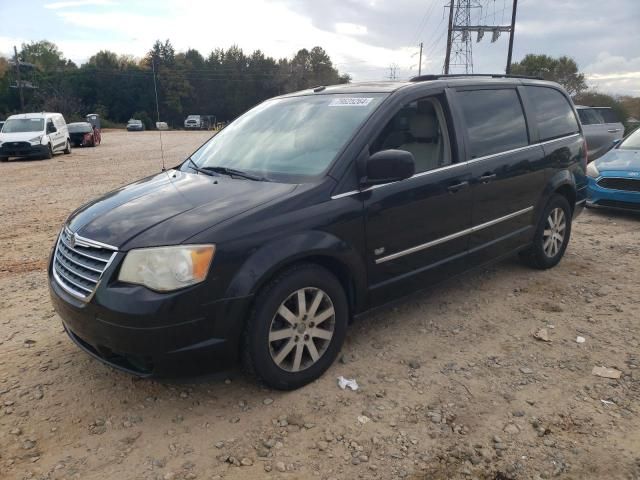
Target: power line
[(459, 45)]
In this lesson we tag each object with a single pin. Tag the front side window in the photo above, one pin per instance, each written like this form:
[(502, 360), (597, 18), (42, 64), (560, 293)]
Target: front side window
[(589, 116), (608, 115), (419, 128), (20, 125), (495, 121), (553, 113), (288, 139)]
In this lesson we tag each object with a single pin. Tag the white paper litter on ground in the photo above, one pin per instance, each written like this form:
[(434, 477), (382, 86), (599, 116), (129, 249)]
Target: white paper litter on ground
[(345, 382)]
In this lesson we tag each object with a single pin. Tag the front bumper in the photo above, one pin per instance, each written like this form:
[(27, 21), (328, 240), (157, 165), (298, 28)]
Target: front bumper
[(151, 334), (599, 197), (23, 150)]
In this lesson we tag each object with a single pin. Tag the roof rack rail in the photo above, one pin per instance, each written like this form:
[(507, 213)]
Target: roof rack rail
[(424, 78)]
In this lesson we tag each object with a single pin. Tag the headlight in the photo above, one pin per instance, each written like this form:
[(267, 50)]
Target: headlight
[(36, 140), (167, 268), (592, 170)]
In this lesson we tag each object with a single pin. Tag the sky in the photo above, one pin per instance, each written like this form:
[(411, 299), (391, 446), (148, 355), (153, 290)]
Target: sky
[(364, 38)]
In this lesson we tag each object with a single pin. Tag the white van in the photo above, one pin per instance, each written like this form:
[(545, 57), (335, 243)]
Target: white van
[(34, 135)]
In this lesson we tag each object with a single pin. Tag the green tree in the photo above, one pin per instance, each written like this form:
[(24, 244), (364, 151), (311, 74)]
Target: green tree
[(563, 70), (45, 55)]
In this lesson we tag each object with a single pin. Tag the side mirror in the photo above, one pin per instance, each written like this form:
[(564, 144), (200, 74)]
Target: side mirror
[(387, 166), (51, 128)]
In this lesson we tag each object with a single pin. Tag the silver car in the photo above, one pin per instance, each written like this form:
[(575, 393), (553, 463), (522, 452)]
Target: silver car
[(602, 129)]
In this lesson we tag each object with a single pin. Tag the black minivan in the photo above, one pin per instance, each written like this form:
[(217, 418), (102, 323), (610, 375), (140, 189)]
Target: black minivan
[(312, 208)]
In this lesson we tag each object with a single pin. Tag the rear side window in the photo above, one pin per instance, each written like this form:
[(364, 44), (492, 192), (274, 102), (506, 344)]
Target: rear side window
[(495, 121), (589, 116), (608, 115), (552, 112)]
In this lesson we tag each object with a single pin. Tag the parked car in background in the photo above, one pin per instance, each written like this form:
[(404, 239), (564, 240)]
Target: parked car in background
[(134, 125), (311, 209), (34, 135), (162, 126), (199, 122), (83, 134), (601, 127), (614, 179), (193, 122)]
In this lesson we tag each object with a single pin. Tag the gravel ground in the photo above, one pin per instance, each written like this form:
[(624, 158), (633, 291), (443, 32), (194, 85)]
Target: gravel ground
[(453, 383)]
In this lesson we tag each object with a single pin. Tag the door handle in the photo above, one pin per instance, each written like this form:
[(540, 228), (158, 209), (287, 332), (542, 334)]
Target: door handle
[(613, 130), (457, 186), (487, 177)]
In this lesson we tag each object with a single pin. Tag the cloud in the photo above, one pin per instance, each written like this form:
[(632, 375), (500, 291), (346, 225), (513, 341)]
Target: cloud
[(363, 37), (78, 3)]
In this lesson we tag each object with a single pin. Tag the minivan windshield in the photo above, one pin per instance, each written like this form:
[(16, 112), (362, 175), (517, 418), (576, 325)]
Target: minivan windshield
[(288, 139), (21, 125), (632, 142)]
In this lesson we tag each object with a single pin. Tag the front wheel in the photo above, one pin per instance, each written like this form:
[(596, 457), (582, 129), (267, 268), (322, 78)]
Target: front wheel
[(551, 236), (297, 327), (67, 148), (49, 154)]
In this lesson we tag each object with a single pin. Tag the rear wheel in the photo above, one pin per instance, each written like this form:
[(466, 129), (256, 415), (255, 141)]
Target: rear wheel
[(297, 327), (552, 234)]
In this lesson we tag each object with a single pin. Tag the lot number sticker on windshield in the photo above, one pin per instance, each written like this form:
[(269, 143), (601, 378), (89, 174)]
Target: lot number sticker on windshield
[(350, 102)]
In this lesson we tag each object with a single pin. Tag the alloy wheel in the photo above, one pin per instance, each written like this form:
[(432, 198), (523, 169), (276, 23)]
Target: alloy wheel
[(302, 329), (554, 232)]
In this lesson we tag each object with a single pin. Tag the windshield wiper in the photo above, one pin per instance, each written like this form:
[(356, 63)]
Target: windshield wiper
[(195, 167), (237, 173)]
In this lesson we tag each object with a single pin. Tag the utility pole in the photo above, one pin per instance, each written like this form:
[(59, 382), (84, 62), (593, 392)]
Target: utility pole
[(447, 58), (420, 61), (392, 71), (15, 51), (459, 44), (511, 34)]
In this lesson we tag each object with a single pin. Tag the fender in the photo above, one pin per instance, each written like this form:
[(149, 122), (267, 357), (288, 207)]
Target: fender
[(562, 179), (315, 245)]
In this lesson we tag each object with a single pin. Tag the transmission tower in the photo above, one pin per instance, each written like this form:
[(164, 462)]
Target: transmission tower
[(459, 43)]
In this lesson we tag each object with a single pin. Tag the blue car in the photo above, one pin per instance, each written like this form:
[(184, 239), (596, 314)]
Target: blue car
[(614, 178)]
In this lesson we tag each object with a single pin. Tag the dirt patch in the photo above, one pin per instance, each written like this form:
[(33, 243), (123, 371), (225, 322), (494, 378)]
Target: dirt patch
[(452, 382)]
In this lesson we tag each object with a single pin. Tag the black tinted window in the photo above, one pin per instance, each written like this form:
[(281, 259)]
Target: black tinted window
[(495, 121), (553, 113), (589, 116), (608, 115)]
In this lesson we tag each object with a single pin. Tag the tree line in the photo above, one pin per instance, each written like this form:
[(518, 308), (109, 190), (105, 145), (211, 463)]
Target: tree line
[(225, 83), (118, 87)]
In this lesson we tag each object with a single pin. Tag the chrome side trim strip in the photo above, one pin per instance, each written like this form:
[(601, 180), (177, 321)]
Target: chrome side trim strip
[(453, 236), (345, 194), (580, 202), (453, 165)]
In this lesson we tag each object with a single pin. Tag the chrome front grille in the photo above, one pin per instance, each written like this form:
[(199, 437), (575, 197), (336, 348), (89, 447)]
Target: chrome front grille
[(79, 263)]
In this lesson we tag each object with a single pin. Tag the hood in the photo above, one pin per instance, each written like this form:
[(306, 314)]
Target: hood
[(19, 136), (189, 203), (617, 160)]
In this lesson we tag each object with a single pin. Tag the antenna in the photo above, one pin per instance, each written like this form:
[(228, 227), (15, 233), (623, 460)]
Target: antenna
[(155, 88)]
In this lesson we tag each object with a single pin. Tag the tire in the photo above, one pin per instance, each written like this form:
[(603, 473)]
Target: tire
[(49, 154), (551, 236), (4, 159), (67, 148), (287, 362)]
